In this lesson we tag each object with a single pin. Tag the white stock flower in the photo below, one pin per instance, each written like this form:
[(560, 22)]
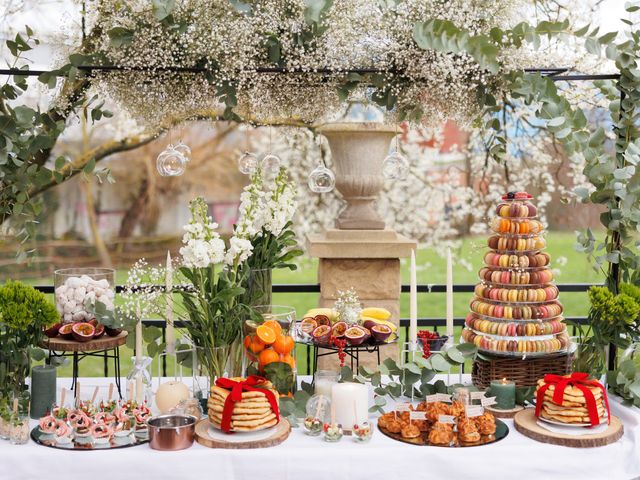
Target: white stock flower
[(240, 249)]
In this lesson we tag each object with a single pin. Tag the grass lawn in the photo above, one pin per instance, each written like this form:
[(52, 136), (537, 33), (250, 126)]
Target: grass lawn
[(572, 267)]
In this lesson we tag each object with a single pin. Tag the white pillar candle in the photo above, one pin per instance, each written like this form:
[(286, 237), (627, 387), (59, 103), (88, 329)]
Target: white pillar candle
[(351, 403), (170, 333), (413, 302), (449, 295)]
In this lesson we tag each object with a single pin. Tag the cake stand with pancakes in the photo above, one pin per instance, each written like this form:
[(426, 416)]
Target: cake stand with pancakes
[(571, 410), (242, 413)]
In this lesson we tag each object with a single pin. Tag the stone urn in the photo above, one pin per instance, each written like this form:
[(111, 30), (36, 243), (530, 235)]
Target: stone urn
[(358, 150)]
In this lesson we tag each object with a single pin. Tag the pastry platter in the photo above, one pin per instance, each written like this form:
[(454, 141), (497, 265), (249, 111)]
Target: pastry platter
[(502, 430), (125, 441), (443, 422)]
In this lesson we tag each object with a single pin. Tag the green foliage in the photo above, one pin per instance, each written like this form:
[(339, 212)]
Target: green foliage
[(625, 381), (24, 313)]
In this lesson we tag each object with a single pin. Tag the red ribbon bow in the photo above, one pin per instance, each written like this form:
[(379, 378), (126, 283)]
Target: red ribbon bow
[(248, 385), (579, 380)]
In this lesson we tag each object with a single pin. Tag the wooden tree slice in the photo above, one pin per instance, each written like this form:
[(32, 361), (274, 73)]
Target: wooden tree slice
[(526, 423), (278, 434), (105, 342)]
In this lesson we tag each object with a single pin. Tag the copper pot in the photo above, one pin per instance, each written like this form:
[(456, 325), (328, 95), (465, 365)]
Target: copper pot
[(171, 432)]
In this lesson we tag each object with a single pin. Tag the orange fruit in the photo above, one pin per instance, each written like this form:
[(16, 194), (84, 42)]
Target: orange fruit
[(256, 346), (266, 334), (268, 356), (274, 325), (288, 359), (246, 342), (283, 344)]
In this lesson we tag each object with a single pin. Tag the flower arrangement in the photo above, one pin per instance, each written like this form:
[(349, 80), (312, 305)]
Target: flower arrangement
[(348, 306), (613, 320), (212, 298), (263, 235), (24, 314)]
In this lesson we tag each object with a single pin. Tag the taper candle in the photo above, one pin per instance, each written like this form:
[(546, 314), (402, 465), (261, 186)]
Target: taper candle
[(449, 316), (413, 302), (170, 332)]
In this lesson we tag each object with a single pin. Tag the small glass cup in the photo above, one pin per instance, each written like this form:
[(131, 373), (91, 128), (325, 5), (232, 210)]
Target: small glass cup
[(19, 429), (312, 426), (332, 432), (362, 433)]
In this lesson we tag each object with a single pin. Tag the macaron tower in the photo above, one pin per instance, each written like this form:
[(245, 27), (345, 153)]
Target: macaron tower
[(515, 310)]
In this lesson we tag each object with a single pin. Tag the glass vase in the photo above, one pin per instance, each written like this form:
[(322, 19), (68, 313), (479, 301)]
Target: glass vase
[(269, 347), (259, 287), (139, 382), (5, 417)]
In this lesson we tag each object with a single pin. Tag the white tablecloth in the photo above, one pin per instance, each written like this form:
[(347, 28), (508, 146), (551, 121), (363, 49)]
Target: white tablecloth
[(309, 458)]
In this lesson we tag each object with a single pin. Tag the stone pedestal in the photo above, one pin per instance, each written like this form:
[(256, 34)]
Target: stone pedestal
[(368, 261)]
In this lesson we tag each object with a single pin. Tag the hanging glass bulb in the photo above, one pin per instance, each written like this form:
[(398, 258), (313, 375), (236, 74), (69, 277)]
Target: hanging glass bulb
[(247, 163), (171, 163), (395, 166), (321, 179), (183, 149), (270, 164)]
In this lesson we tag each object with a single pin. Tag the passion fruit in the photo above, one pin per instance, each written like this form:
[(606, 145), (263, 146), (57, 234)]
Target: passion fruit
[(66, 331), (355, 336), (83, 331), (338, 329), (112, 332), (99, 331), (308, 325), (380, 332), (53, 330), (322, 320), (321, 334)]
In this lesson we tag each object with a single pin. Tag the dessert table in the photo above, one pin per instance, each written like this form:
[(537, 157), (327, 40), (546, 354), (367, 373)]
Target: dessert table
[(309, 458)]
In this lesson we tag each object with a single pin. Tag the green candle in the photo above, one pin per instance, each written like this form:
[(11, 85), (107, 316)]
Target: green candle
[(43, 389), (505, 392)]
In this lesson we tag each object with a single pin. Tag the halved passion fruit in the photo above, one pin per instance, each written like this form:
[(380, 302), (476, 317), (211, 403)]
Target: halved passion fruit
[(99, 331), (322, 320), (380, 332), (53, 330), (338, 329), (355, 336), (66, 331), (321, 334), (83, 331), (308, 325)]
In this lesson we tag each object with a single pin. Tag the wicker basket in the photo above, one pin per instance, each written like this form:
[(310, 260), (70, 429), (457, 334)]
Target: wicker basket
[(524, 372)]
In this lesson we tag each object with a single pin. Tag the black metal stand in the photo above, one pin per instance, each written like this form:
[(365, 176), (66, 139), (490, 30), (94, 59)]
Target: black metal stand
[(106, 354), (352, 351)]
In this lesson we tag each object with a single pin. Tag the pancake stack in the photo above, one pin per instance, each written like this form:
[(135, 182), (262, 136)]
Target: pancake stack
[(574, 405), (250, 414)]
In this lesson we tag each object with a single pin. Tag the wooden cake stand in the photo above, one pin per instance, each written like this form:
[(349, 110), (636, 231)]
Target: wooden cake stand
[(527, 424), (104, 347), (274, 436)]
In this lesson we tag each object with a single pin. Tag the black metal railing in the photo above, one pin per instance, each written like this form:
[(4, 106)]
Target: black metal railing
[(429, 322)]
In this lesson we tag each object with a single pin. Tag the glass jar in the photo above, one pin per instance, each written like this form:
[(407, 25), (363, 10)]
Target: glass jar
[(5, 418), (269, 347), (323, 382), (78, 290), (19, 429)]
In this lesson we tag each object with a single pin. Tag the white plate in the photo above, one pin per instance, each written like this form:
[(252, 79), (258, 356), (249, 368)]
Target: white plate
[(240, 437), (603, 420)]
